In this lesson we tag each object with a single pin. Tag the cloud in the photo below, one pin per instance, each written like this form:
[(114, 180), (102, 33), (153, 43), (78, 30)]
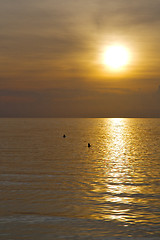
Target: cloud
[(38, 32), (123, 13), (158, 94), (79, 102)]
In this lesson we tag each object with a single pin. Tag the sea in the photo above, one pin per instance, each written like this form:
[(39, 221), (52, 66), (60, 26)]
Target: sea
[(56, 187)]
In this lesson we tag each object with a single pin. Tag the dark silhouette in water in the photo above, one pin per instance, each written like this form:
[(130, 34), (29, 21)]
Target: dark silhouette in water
[(64, 136), (89, 145)]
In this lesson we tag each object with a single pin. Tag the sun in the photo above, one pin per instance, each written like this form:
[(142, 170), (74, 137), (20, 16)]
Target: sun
[(116, 57)]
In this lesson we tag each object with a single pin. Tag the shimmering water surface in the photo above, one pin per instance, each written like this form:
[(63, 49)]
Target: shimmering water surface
[(57, 188)]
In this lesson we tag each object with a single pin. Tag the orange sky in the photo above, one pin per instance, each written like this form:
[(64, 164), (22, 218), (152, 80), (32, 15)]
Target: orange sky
[(50, 61)]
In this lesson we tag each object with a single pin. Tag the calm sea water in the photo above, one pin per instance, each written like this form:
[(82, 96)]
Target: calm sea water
[(57, 188)]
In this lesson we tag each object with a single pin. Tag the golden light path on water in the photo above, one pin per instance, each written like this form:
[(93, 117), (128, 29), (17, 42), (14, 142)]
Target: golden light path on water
[(116, 174), (118, 187)]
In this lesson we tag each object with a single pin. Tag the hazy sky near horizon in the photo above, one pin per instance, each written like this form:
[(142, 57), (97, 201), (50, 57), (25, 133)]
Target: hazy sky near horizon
[(51, 58)]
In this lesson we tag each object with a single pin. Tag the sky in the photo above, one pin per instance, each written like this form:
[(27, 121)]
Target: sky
[(51, 58)]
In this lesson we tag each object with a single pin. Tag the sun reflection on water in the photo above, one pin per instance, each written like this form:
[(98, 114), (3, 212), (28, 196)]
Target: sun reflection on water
[(116, 184), (121, 183), (117, 168)]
